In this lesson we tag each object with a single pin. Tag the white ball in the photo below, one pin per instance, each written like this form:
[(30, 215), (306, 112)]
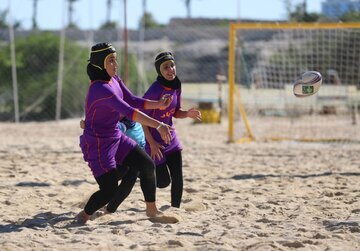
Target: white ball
[(309, 84)]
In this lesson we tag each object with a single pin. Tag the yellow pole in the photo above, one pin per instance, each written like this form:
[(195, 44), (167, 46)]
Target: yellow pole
[(243, 115), (231, 78)]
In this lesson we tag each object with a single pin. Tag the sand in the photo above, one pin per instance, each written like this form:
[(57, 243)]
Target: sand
[(254, 196)]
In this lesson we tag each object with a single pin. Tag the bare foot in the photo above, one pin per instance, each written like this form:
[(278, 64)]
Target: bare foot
[(151, 210), (82, 217), (100, 213), (157, 216)]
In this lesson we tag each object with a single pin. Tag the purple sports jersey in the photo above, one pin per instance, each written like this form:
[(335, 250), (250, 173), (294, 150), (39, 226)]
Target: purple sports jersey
[(155, 92), (102, 143)]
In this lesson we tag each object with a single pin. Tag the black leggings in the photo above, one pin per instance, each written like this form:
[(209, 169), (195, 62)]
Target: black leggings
[(163, 177), (138, 163)]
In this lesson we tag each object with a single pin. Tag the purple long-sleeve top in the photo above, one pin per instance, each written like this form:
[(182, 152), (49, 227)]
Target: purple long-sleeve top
[(102, 143), (156, 91)]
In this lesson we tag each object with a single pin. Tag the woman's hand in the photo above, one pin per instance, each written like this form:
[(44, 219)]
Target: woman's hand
[(164, 131), (165, 101), (156, 148), (194, 114), (82, 124)]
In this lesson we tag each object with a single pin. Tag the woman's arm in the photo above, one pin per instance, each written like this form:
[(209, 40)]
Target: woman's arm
[(139, 102), (163, 103), (191, 113), (163, 129)]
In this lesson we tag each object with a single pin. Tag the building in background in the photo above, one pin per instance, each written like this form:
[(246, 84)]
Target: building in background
[(334, 9)]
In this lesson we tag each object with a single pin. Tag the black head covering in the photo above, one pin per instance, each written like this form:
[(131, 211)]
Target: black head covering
[(159, 59), (96, 66)]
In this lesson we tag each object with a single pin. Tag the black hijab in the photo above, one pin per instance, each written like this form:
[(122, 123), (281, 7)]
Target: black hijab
[(173, 84), (96, 66), (161, 58)]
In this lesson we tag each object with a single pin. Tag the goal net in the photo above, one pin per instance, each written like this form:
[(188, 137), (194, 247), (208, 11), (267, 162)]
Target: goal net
[(265, 59)]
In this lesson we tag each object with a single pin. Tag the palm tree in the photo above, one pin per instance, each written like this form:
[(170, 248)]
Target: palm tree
[(300, 14), (188, 8), (3, 24), (108, 10), (34, 23), (288, 8), (108, 23), (71, 24)]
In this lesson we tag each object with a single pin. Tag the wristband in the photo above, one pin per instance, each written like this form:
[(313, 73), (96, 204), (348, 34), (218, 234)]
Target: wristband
[(161, 124)]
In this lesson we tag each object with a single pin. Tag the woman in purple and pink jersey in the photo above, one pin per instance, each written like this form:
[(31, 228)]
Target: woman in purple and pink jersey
[(105, 147), (167, 155)]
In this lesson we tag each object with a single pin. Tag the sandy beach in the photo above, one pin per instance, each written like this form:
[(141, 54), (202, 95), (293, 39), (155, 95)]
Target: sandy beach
[(254, 196)]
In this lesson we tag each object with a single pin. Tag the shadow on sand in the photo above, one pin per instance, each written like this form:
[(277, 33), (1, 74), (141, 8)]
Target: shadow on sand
[(40, 221), (305, 176)]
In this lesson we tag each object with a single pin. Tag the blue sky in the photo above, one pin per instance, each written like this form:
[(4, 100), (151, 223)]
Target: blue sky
[(92, 13)]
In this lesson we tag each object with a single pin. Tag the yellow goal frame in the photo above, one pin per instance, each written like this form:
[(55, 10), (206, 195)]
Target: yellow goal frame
[(231, 65)]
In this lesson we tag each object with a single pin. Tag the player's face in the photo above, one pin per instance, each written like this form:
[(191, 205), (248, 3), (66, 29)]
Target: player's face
[(111, 64), (168, 70)]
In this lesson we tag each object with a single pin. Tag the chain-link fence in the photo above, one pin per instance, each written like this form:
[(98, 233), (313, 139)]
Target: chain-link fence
[(38, 83)]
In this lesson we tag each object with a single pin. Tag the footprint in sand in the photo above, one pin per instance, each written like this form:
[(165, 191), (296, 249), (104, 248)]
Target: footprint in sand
[(190, 190), (195, 207)]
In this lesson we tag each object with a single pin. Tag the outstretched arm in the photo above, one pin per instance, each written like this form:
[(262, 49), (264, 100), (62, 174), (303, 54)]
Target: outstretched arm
[(163, 103), (139, 102), (163, 129), (191, 113)]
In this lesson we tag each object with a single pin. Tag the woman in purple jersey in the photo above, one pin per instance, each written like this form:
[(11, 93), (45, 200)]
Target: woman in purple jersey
[(103, 144), (167, 156)]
